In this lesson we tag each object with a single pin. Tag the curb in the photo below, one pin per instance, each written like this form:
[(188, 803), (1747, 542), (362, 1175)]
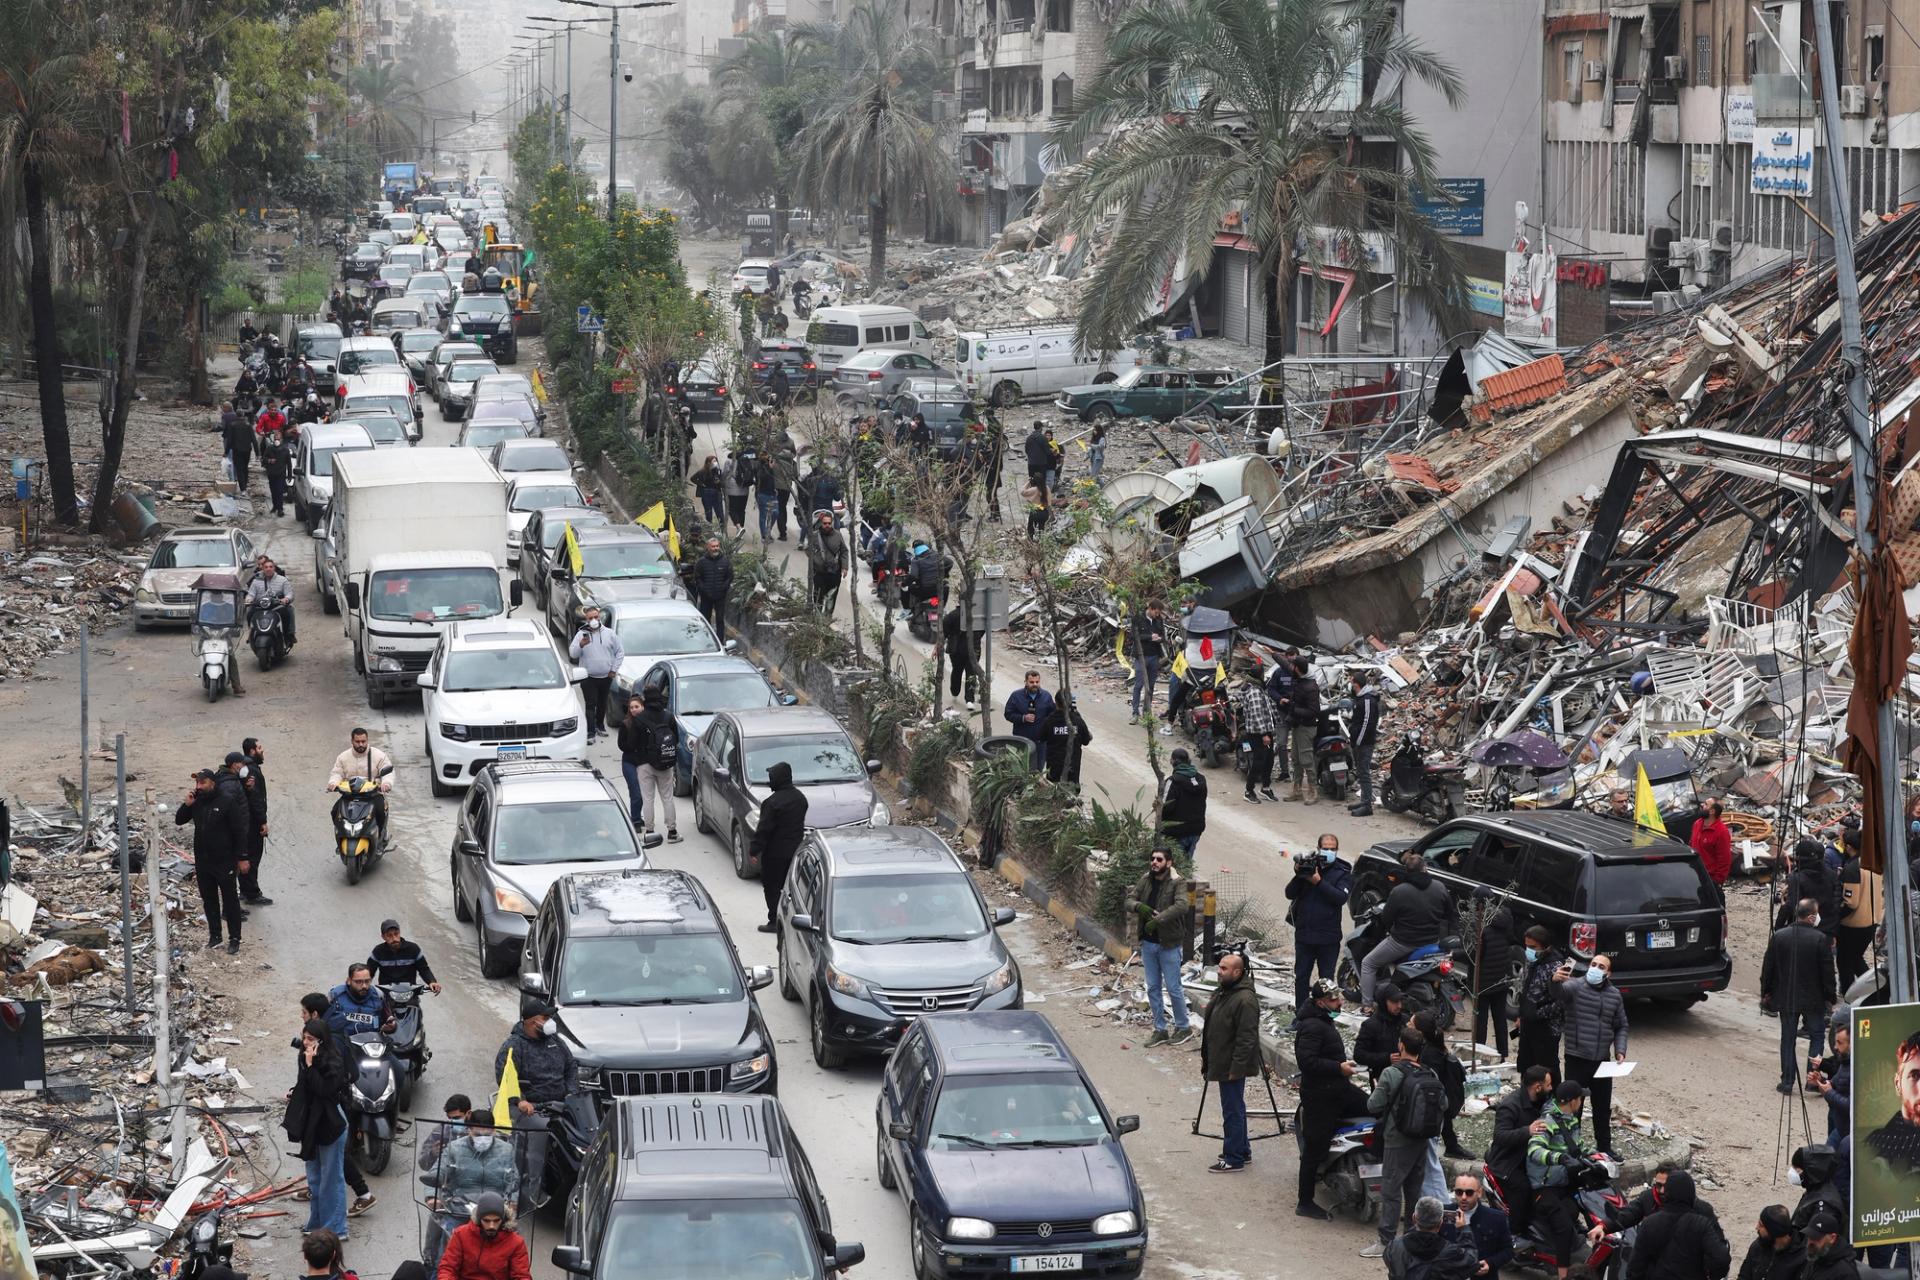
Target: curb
[(1089, 930)]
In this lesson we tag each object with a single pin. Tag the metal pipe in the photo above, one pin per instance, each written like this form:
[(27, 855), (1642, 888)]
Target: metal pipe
[(126, 866), (86, 747)]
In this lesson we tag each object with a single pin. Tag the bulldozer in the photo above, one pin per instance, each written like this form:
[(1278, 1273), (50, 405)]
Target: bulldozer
[(509, 259)]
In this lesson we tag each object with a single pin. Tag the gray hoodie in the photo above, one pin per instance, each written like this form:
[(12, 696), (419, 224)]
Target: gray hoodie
[(600, 652), (464, 1172)]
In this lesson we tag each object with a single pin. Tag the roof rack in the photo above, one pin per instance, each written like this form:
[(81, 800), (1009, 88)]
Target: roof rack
[(533, 765)]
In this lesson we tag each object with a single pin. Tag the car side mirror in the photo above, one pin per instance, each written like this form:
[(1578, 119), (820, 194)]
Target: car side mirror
[(577, 674), (803, 922), (1126, 1124), (470, 847), (568, 1258), (873, 766), (731, 646), (532, 983), (319, 535), (516, 592), (559, 573), (759, 977), (850, 1254), (789, 700), (353, 595), (900, 1129), (652, 840), (721, 773), (424, 680), (1003, 915)]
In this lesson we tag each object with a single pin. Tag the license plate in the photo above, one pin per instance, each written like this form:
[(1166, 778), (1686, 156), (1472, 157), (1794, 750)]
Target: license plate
[(1338, 766), (1664, 938), (1048, 1262), (512, 753)]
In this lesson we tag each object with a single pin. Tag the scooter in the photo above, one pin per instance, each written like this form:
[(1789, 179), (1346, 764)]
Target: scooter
[(216, 656), (571, 1125), (1425, 978), (1595, 1200), (1207, 716), (354, 834), (1437, 791), (205, 1248), (266, 634), (1333, 762), (923, 618), (408, 1042), (373, 1099), (1350, 1174)]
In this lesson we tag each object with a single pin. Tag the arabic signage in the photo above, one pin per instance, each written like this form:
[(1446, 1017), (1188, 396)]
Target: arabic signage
[(1740, 115), (1456, 207), (1782, 161), (1483, 296), (1530, 296), (1886, 1124)]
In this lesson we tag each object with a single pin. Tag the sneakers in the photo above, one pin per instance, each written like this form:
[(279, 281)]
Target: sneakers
[(1134, 718), (1311, 1210), (1221, 1166), (1158, 1037), (360, 1205), (214, 944), (262, 901), (233, 947), (1180, 1035), (1166, 731), (1268, 793), (1374, 1250), (673, 837), (1251, 798), (769, 927)]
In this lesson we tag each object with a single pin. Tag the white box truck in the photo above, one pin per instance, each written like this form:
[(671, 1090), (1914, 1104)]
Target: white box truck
[(416, 541), (1006, 366)]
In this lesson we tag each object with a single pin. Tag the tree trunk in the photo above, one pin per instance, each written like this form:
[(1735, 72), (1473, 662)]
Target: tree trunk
[(1280, 287), (199, 388), (125, 375), (48, 357), (876, 241)]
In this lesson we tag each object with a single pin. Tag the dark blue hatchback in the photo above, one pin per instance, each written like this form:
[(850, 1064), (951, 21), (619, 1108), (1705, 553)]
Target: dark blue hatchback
[(1005, 1154)]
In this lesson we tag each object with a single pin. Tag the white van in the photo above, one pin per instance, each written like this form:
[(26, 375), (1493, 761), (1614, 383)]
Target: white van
[(1007, 366), (834, 333)]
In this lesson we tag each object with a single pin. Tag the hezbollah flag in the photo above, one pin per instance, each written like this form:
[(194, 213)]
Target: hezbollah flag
[(656, 518), (572, 545), (1120, 650), (1646, 812), (509, 1089), (539, 387)]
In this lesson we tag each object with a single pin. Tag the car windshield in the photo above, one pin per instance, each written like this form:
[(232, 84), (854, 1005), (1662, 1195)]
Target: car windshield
[(366, 253), (429, 595), (709, 1239), (483, 434), (555, 527), (509, 384), (1131, 378), (445, 354), (1050, 1108), (381, 428), (431, 280), (419, 341), (481, 304), (193, 553), (469, 370), (535, 496), (633, 558), (393, 405), (360, 360), (738, 691), (875, 909), (567, 831), (660, 968), (816, 758), (488, 670), (820, 333), (542, 456), (665, 637), (1646, 888), (322, 464), (325, 346)]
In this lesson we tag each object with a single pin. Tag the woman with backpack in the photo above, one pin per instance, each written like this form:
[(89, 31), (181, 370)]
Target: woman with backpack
[(1446, 1064), (649, 757)]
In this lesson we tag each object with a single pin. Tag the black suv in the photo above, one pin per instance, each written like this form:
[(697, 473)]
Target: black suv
[(803, 376), (649, 989), (700, 1186), (1596, 883)]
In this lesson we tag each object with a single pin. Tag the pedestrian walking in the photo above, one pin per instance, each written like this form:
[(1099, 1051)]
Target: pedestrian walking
[(1039, 508), (1516, 1118), (1146, 649), (735, 479), (237, 438), (1861, 905), (963, 650), (1183, 806), (1039, 454), (786, 474), (219, 817), (1253, 710), (1683, 1240), (707, 485), (1595, 1032), (711, 579), (1541, 1016), (254, 776), (1713, 842), (1549, 1150), (783, 824), (1026, 710), (1418, 912), (1317, 894), (1064, 736), (1492, 957), (1160, 903), (1303, 720), (276, 464), (649, 759), (1410, 1102), (827, 560), (316, 1125), (1229, 1053), (1097, 450), (1327, 1091), (1475, 1223), (766, 496), (1427, 1252), (597, 648), (1797, 983), (1812, 877), (1778, 1252), (1364, 737)]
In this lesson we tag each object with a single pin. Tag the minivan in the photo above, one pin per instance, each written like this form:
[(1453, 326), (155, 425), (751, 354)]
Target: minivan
[(834, 333), (1599, 885), (1007, 366)]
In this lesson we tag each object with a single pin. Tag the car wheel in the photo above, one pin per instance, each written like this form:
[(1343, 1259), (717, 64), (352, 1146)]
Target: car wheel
[(328, 605), (359, 661), (495, 962), (683, 787), (700, 822), (742, 856), (376, 698), (461, 911), (787, 989), (1210, 411), (1006, 395), (825, 1055), (881, 1167), (917, 1246), (1101, 412)]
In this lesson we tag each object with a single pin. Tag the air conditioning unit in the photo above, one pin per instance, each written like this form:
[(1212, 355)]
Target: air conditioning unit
[(1723, 237), (1676, 69), (1594, 71), (1853, 99), (1682, 251), (1702, 256)]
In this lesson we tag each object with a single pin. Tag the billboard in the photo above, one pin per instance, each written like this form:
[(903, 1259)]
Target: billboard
[(1886, 1124), (1531, 296)]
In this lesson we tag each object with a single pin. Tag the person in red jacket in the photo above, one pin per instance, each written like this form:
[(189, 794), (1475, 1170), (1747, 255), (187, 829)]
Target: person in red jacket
[(485, 1248), (1714, 843)]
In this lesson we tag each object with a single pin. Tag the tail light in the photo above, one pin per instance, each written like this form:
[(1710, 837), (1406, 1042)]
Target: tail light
[(672, 390), (759, 364), (1723, 928), (719, 391), (807, 365), (1206, 695), (1585, 938), (875, 376), (934, 603), (1446, 965), (340, 390)]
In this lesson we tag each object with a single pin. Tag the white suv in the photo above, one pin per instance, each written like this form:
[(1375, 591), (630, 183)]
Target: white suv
[(498, 689)]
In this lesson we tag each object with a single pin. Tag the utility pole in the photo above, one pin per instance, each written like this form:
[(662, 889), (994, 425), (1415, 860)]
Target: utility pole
[(1866, 485), (613, 86)]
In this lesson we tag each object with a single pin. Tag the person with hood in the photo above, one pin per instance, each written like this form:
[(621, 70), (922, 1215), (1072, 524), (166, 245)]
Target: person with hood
[(1417, 913), (316, 1125), (1638, 1209), (476, 1164), (783, 825), (1160, 902), (827, 560), (711, 578), (1596, 1031), (1713, 842), (1683, 1241), (1327, 1091), (735, 479), (1427, 1253), (1541, 1016), (1318, 894), (1065, 735), (963, 649), (1549, 1150), (1027, 709), (1403, 1162), (548, 1073), (1492, 956), (219, 817), (1379, 1036), (1778, 1252), (1183, 807), (486, 1247), (1229, 1054), (1365, 736), (237, 440), (1516, 1118), (1812, 878), (1861, 903), (1797, 983), (1812, 1169), (1830, 1254)]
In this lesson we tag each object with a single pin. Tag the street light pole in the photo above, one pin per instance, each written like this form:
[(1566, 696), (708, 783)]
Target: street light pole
[(613, 86)]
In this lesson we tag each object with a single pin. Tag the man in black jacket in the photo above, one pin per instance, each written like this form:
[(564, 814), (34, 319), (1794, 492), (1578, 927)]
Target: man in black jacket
[(783, 824), (1681, 1242), (963, 656), (711, 578), (1379, 1037), (237, 440), (1327, 1092), (1039, 454), (219, 818), (1303, 719), (1797, 982), (1778, 1252), (1365, 736), (1183, 807), (276, 464), (1418, 911), (1280, 689), (1516, 1118), (254, 775), (1146, 649), (1318, 891), (1475, 1221), (1830, 1254)]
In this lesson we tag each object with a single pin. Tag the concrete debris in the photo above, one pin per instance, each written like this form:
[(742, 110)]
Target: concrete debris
[(47, 596)]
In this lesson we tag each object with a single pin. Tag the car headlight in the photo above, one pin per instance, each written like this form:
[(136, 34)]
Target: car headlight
[(1000, 979), (146, 596), (561, 728), (508, 900), (453, 732), (1115, 1224), (384, 664), (880, 815), (513, 537), (847, 985), (589, 1077), (747, 1068), (969, 1229)]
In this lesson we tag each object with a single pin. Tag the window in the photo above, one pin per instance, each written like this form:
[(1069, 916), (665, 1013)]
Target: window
[(1553, 877), (1499, 862), (1059, 15), (1571, 70), (1376, 316), (877, 335), (1449, 850), (1873, 59), (1063, 95), (897, 333)]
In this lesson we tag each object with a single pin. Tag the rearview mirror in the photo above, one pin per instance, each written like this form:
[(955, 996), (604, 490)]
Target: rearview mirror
[(731, 646), (721, 773), (384, 772), (852, 1253), (353, 595), (577, 674), (803, 922), (470, 847), (788, 700), (873, 766), (516, 592), (652, 840), (759, 977), (318, 535), (532, 983), (568, 1258), (1003, 915), (900, 1129), (1125, 1124), (558, 573)]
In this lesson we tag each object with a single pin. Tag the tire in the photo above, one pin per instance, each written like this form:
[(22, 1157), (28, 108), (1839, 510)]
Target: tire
[(492, 963), (359, 661), (917, 1246), (825, 1056), (379, 1152), (461, 911), (1424, 995), (1347, 975), (265, 657), (1102, 379), (787, 990), (328, 605), (742, 859), (880, 1166), (700, 822), (681, 789), (356, 867), (1210, 411), (1341, 789), (213, 688), (441, 790), (1100, 411), (1007, 394), (300, 513), (1212, 751), (1391, 798), (376, 698)]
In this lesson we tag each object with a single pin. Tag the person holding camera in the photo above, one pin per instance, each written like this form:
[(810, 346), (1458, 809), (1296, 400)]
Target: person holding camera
[(1431, 1251), (1318, 892), (1474, 1222)]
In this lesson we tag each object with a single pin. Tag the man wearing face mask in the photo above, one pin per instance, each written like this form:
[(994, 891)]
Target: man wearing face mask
[(1318, 892), (597, 648), (1596, 1030), (485, 1248), (1516, 1118), (1778, 1252), (547, 1073), (469, 1168), (1541, 1016), (1683, 1241), (1797, 982), (1812, 1169)]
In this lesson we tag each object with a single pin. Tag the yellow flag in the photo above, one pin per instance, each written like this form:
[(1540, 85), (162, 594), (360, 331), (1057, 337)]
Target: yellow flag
[(656, 518), (509, 1089), (1646, 813), (573, 551), (1120, 651), (1180, 664), (539, 387)]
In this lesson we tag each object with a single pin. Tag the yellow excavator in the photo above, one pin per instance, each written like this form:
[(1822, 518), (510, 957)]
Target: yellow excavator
[(510, 259)]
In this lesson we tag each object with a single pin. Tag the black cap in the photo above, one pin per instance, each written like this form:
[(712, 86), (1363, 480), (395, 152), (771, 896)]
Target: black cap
[(1821, 1224), (389, 924), (208, 774), (234, 757)]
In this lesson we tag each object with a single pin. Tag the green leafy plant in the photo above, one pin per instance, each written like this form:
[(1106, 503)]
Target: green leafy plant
[(930, 764)]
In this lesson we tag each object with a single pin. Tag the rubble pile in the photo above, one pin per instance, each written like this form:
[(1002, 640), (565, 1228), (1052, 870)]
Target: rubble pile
[(47, 596), (1007, 288)]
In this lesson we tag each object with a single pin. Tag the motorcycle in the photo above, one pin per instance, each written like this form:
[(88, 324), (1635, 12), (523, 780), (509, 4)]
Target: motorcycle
[(570, 1128), (1425, 978), (923, 618), (205, 1248), (1437, 791), (1207, 716), (266, 634), (373, 1104), (890, 585), (1333, 751), (1595, 1199), (354, 836), (216, 626), (408, 1041), (1350, 1174), (802, 305)]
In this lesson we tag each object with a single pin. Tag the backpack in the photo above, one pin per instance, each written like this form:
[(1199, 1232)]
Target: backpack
[(1420, 1104), (664, 745)]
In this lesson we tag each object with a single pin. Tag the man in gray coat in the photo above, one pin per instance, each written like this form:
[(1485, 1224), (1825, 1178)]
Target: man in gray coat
[(596, 647), (478, 1162), (826, 552)]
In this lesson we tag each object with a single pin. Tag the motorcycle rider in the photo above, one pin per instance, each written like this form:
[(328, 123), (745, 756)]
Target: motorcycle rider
[(1516, 1118), (271, 588), (485, 1247), (363, 760), (1327, 1091), (548, 1073), (396, 960), (1417, 912), (471, 1166), (1548, 1153), (357, 1005), (925, 577)]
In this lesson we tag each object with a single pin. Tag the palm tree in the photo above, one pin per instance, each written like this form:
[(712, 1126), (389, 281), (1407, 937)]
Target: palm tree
[(1217, 107), (872, 138), (381, 87), (41, 102)]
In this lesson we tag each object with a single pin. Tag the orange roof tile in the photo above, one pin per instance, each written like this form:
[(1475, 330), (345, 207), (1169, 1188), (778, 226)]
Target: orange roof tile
[(1528, 384)]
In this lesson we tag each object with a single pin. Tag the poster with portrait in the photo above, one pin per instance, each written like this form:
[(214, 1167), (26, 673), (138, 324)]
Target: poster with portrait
[(1886, 1124), (16, 1251)]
